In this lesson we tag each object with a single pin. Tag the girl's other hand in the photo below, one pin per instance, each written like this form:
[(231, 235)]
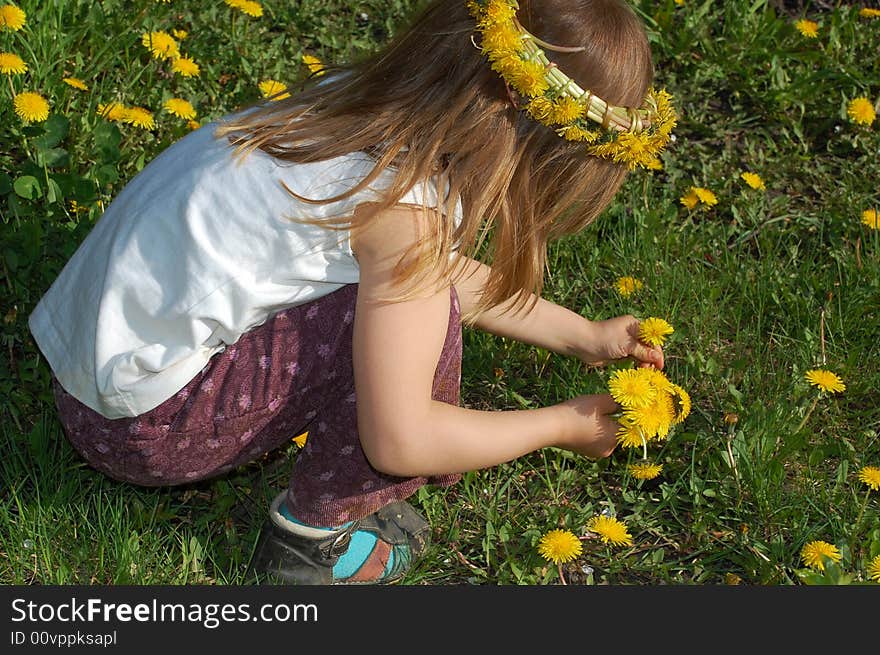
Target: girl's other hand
[(590, 427), (617, 338)]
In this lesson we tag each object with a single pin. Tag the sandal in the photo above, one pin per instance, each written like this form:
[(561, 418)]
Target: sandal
[(292, 553)]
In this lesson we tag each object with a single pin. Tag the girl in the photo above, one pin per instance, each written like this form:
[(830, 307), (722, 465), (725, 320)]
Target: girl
[(305, 266)]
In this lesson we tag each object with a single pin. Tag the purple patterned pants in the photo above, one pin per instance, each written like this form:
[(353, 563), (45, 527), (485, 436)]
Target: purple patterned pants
[(290, 375)]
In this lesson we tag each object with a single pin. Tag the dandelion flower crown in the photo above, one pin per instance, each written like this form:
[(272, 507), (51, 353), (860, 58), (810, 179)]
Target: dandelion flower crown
[(634, 136)]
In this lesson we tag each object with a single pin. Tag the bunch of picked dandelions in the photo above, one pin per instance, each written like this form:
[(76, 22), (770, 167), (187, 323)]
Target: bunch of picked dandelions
[(652, 404)]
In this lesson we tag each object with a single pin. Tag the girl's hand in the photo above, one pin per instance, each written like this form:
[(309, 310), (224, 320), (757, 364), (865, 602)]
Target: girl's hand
[(617, 338), (590, 428)]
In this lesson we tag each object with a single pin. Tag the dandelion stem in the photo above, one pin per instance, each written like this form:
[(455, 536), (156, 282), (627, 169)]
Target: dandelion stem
[(561, 574), (807, 415), (861, 512)]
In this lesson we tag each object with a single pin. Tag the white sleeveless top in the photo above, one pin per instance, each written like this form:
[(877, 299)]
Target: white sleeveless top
[(191, 254)]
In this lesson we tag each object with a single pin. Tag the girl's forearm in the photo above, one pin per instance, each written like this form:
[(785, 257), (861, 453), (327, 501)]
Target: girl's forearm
[(547, 325), (453, 439)]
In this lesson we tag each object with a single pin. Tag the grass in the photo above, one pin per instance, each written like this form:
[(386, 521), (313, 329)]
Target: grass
[(761, 287)]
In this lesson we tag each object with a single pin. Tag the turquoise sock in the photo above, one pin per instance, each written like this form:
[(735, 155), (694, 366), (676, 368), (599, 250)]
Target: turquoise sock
[(362, 543)]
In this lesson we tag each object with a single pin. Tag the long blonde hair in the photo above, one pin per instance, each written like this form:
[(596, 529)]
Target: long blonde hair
[(429, 106)]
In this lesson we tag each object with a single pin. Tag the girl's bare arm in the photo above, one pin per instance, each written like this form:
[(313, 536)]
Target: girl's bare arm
[(397, 345), (553, 327)]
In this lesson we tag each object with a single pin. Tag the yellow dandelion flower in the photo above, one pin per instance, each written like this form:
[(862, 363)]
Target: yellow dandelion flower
[(271, 87), (529, 78), (610, 530), (813, 553), (629, 435), (540, 108), (234, 3), (31, 107), (658, 379), (301, 439), (653, 331), (871, 218), (161, 45), (654, 164), (180, 35), (753, 180), (139, 117), (249, 8), (682, 401), (193, 125), (12, 64), (861, 111), (706, 196), (315, 65), (12, 18), (76, 83), (690, 199), (497, 11), (186, 67), (870, 475), (645, 470), (575, 133), (732, 579), (874, 569), (825, 380), (559, 546), (180, 108), (627, 285), (656, 419), (867, 12), (501, 40), (567, 110), (807, 28), (112, 111), (631, 389)]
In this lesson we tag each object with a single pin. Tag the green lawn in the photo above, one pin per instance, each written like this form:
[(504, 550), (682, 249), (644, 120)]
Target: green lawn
[(760, 287)]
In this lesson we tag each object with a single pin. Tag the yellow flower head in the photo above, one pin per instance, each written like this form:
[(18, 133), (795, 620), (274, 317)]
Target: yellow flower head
[(139, 117), (528, 78), (315, 66), (867, 12), (113, 111), (825, 380), (690, 199), (193, 125), (653, 331), (814, 551), (629, 435), (186, 67), (682, 402), (12, 64), (610, 530), (301, 439), (180, 108), (871, 218), (559, 546), (861, 111), (11, 18), (874, 569), (161, 45), (654, 420), (270, 87), (567, 110), (645, 470), (732, 578), (753, 180), (627, 285), (248, 7), (180, 35), (630, 388), (31, 107), (870, 475), (706, 197), (807, 28), (76, 83)]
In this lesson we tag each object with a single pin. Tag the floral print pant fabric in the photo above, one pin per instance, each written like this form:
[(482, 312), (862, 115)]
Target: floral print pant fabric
[(290, 375)]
